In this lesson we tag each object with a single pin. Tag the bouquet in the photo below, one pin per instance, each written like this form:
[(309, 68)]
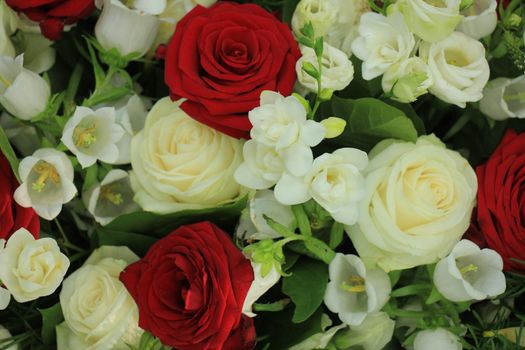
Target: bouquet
[(266, 174)]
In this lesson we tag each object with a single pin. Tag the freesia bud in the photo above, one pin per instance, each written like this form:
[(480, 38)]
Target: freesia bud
[(334, 126)]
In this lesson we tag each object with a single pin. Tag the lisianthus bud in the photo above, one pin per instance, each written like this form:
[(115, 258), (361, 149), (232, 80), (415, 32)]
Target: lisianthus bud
[(321, 13), (17, 84), (407, 80)]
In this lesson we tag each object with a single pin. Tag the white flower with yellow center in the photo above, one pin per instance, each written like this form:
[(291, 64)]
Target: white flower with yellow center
[(355, 291), (31, 268), (470, 273), (92, 135), (47, 182)]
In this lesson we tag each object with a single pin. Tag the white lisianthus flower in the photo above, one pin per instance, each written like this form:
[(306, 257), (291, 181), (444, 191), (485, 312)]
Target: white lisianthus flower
[(5, 334), (504, 98), (99, 313), (431, 20), (470, 273), (458, 67), (336, 73), (111, 198), (47, 182), (260, 285), (321, 13), (280, 122), (92, 135), (355, 291), (262, 168), (382, 42), (374, 333), (480, 19), (335, 182), (407, 80), (179, 163), (439, 338), (252, 224), (31, 268), (320, 340), (130, 31), (418, 203), (16, 84), (39, 55)]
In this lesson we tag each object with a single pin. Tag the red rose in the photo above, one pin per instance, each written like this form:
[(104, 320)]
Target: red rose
[(13, 216), (501, 200), (221, 58), (190, 288), (52, 15)]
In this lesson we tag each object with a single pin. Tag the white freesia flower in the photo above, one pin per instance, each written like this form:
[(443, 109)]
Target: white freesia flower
[(179, 163), (4, 334), (470, 273), (262, 168), (355, 291), (31, 268), (39, 55), (418, 203), (111, 198), (47, 182), (99, 312), (430, 20), (407, 80), (374, 333), (458, 67), (439, 338), (336, 73), (130, 31), (92, 135), (260, 285), (504, 98), (480, 19), (320, 340), (16, 84), (253, 225), (280, 122), (334, 181), (382, 42)]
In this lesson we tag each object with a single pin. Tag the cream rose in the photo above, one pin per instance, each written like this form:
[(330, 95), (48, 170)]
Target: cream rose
[(99, 312), (31, 268), (179, 163), (418, 203)]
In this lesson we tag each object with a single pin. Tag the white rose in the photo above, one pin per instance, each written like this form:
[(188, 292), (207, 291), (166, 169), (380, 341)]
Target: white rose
[(430, 20), (31, 268), (99, 312), (179, 163), (336, 73), (16, 84), (480, 19), (4, 335), (92, 135), (260, 285), (504, 98), (382, 42), (439, 338), (334, 181), (458, 67), (47, 182), (373, 334), (418, 203), (407, 80)]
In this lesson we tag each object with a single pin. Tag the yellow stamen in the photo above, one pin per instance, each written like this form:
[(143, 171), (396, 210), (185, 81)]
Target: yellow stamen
[(469, 268), (108, 193), (84, 136), (356, 285), (5, 81), (46, 172)]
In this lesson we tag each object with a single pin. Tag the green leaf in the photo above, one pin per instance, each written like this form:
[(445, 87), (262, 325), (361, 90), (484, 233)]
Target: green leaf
[(306, 287), (51, 318), (8, 152), (91, 177), (149, 342), (288, 10), (136, 242), (371, 121), (302, 220)]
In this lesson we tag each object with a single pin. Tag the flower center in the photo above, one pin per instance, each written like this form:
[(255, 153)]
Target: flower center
[(109, 193), (469, 268), (456, 58), (84, 135), (47, 172), (355, 285), (5, 81)]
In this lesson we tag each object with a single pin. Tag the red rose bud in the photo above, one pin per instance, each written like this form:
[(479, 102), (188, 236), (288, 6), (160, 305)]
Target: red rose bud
[(13, 216), (190, 289), (221, 58), (53, 15), (501, 199)]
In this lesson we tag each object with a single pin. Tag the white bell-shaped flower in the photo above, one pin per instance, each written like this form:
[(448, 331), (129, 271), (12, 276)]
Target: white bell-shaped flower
[(17, 84), (373, 334), (439, 338), (470, 273), (260, 285), (504, 98), (480, 19), (355, 291), (92, 135), (47, 182)]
